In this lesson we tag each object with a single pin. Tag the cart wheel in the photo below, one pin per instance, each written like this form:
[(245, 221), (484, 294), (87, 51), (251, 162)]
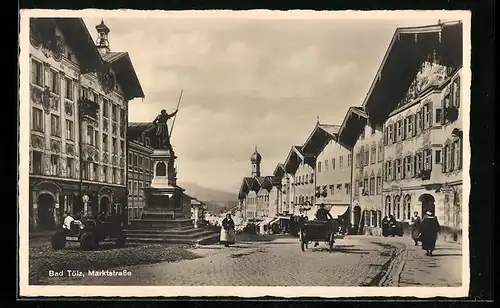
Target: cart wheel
[(332, 241), (303, 244)]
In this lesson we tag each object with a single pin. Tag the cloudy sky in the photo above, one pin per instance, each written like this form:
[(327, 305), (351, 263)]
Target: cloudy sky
[(248, 82)]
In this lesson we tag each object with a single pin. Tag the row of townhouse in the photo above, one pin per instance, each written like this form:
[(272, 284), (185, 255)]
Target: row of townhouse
[(79, 95), (398, 153)]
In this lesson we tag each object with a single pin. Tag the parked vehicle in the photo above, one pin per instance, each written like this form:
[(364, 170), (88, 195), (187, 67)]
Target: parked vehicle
[(89, 233)]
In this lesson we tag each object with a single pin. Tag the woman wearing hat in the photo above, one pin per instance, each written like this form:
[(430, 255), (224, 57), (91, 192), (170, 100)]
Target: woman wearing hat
[(415, 227), (429, 229)]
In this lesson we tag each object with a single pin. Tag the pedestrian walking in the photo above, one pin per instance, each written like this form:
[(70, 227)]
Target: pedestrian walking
[(429, 228), (227, 236), (385, 226), (415, 227), (392, 225)]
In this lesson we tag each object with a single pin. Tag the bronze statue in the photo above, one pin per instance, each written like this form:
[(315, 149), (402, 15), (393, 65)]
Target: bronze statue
[(161, 134)]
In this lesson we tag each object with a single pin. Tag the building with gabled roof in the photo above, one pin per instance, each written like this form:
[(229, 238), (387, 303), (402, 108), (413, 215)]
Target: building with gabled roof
[(259, 195), (407, 135), (79, 112)]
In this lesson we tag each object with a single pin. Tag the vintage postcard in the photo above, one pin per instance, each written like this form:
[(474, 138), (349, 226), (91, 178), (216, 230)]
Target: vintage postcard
[(315, 154)]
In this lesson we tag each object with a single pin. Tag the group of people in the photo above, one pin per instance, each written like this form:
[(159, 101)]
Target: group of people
[(390, 226), (425, 231)]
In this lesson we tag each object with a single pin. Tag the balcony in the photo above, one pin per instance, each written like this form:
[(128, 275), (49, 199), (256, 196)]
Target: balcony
[(88, 108)]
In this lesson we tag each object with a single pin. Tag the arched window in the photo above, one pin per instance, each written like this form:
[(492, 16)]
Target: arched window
[(161, 169), (397, 207), (387, 206), (407, 206)]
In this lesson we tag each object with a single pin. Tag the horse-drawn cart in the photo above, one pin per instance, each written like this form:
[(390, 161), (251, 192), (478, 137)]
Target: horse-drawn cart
[(317, 230)]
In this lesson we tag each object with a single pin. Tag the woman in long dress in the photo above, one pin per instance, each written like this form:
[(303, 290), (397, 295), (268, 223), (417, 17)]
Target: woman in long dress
[(429, 229), (415, 227), (227, 236)]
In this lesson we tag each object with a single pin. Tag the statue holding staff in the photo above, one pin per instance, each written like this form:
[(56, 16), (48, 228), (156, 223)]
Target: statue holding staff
[(162, 135)]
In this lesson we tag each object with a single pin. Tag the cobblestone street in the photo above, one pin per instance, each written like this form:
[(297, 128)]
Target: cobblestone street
[(356, 261)]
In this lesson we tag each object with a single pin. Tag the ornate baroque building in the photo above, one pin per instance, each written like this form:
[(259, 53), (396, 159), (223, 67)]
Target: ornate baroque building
[(79, 105)]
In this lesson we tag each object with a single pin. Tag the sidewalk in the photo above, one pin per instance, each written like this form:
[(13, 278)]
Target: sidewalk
[(442, 269)]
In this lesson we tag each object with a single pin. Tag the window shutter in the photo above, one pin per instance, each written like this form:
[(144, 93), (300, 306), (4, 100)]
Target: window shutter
[(414, 125), (444, 158), (394, 131), (457, 92), (393, 170), (385, 135), (443, 111), (412, 167), (451, 166), (403, 129), (33, 72), (459, 154), (403, 168), (431, 113)]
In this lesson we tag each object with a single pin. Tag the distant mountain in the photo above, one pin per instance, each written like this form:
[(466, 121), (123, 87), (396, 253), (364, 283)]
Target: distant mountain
[(216, 200)]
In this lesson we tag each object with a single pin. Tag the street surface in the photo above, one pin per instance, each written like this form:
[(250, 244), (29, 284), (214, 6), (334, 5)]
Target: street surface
[(356, 261)]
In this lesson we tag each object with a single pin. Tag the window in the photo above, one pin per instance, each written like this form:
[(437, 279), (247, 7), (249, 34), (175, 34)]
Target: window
[(70, 130), (437, 158), (408, 166), (95, 172), (307, 178), (114, 145), (366, 159), (439, 115), (69, 89), (341, 162), (409, 126), (457, 154), (333, 163), (379, 185), (54, 164), (399, 132), (36, 73), (418, 163), (418, 121), (37, 120), (122, 147), (136, 189), (428, 115), (54, 125), (390, 135), (115, 175), (388, 171), (407, 206), (388, 205), (373, 154), (365, 185), (399, 169), (55, 82), (130, 192), (358, 160), (349, 160), (141, 185), (90, 134), (123, 177), (347, 189), (428, 159), (105, 145), (105, 108), (95, 97), (105, 171), (37, 162), (70, 165), (85, 170), (85, 93), (114, 114), (96, 139), (372, 185), (397, 207), (326, 165)]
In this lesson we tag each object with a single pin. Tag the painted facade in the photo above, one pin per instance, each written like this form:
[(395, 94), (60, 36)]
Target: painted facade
[(76, 149), (423, 146)]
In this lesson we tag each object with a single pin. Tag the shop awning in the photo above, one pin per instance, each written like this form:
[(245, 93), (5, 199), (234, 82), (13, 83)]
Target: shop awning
[(265, 221), (338, 210)]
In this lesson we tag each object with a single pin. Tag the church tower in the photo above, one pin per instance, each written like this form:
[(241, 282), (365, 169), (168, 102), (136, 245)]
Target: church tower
[(255, 159), (102, 42)]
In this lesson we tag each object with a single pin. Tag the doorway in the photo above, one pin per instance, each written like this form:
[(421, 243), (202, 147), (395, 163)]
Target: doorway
[(46, 205), (427, 201), (356, 216)]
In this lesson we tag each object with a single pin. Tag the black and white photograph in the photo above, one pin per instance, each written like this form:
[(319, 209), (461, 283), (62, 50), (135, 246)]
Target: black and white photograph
[(244, 153)]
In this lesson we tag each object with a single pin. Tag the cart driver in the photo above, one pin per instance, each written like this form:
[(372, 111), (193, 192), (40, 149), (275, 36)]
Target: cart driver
[(323, 214), (67, 221)]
